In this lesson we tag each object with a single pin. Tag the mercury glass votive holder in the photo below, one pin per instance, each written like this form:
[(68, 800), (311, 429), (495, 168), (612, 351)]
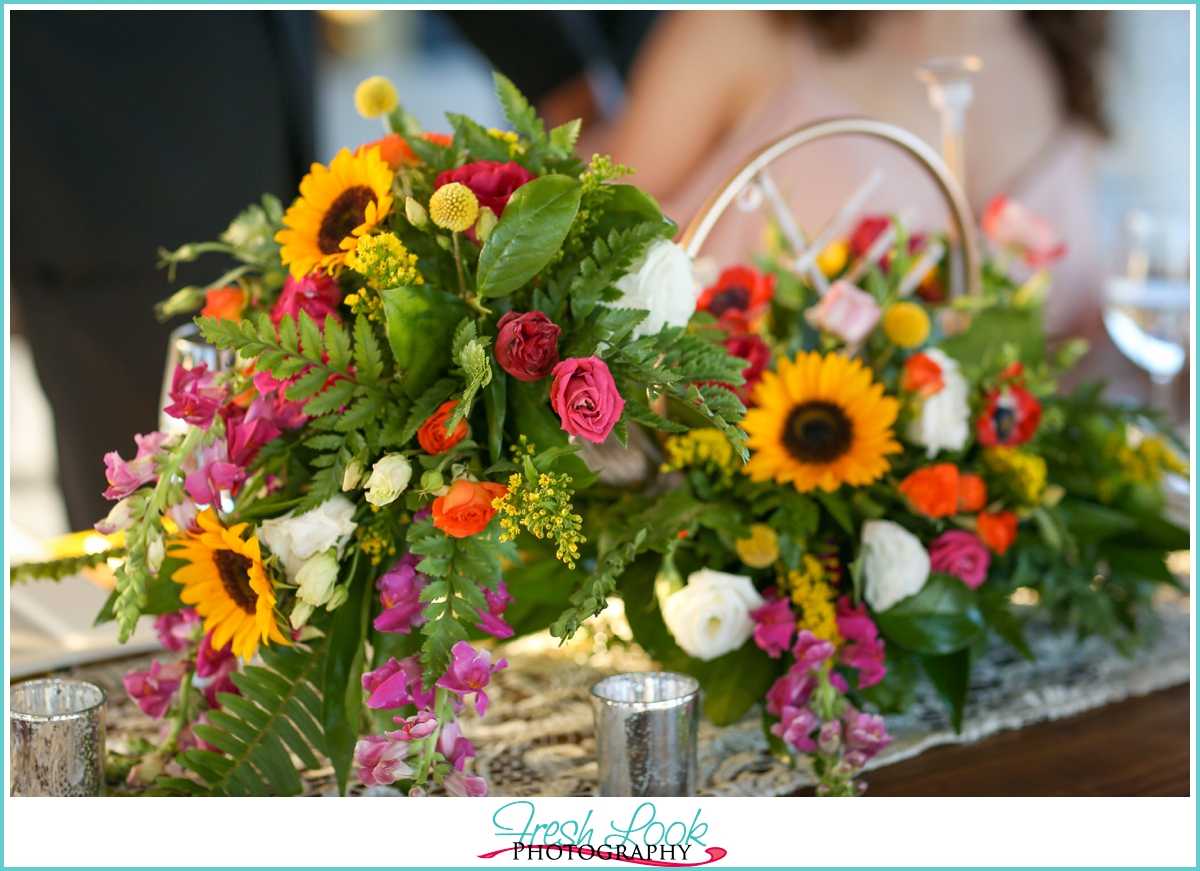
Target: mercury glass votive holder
[(646, 728), (57, 738)]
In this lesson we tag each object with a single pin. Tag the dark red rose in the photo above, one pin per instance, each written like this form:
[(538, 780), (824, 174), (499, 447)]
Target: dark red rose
[(754, 351), (491, 182), (527, 346)]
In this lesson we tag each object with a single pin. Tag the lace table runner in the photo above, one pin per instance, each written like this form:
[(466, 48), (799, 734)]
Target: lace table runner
[(537, 737)]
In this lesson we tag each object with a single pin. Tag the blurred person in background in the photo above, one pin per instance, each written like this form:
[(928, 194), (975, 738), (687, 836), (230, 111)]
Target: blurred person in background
[(712, 87), (132, 130)]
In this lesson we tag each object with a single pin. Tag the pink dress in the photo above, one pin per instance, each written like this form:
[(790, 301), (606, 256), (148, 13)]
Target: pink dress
[(817, 178)]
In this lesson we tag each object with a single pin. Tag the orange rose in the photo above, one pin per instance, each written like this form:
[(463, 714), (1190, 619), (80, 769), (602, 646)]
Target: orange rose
[(972, 493), (998, 530), (392, 148), (432, 434), (443, 139), (225, 302), (467, 508), (922, 375), (933, 490)]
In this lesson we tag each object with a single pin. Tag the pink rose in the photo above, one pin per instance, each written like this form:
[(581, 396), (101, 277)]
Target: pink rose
[(847, 312), (585, 397), (962, 554), (1007, 224), (527, 345), (492, 182), (317, 294)]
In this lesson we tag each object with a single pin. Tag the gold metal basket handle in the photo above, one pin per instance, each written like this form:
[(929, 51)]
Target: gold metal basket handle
[(965, 263)]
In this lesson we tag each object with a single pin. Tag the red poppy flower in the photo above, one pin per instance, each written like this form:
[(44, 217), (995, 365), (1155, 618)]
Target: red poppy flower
[(1010, 417), (740, 295)]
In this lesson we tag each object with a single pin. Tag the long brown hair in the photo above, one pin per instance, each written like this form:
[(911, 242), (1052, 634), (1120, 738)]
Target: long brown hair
[(1072, 38)]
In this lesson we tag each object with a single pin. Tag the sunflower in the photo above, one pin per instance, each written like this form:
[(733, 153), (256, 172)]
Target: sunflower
[(820, 421), (226, 583), (335, 207)]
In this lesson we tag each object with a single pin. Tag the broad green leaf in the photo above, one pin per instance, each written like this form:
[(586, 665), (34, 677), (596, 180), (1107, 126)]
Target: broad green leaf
[(495, 403), (343, 647), (420, 328), (530, 415), (942, 618), (950, 676), (1089, 521), (991, 330), (531, 231), (895, 693)]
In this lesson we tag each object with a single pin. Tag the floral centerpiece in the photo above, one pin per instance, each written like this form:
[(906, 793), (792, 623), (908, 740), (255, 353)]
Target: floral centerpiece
[(417, 348), (909, 480)]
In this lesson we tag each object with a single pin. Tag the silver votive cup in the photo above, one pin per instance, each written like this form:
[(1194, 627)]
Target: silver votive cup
[(646, 727), (57, 738)]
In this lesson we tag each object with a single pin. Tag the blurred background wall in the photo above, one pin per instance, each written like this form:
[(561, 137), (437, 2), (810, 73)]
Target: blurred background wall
[(438, 62)]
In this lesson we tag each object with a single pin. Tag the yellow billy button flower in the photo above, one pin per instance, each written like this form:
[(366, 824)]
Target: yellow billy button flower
[(833, 259), (761, 549), (906, 324), (454, 207), (375, 96)]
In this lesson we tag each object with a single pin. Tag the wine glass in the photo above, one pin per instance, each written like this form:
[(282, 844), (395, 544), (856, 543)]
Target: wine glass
[(1147, 308)]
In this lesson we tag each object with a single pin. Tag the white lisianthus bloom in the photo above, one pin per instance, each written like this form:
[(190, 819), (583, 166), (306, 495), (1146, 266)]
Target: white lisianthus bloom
[(353, 475), (943, 419), (894, 564), (711, 615), (295, 540), (661, 281), (389, 478), (317, 577)]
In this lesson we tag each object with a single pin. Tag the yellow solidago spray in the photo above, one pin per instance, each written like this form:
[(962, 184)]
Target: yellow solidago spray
[(541, 502)]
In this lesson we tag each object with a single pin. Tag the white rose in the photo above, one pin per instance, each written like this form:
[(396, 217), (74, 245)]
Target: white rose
[(661, 282), (297, 539), (317, 577), (943, 420), (353, 475), (711, 615), (894, 564), (389, 478)]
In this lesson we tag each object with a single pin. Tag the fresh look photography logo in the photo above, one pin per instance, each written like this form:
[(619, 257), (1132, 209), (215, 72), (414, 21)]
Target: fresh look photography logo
[(645, 838)]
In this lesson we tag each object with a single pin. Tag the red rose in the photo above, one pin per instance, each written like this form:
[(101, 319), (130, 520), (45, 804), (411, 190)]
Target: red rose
[(871, 228), (317, 294), (740, 295), (754, 351), (491, 182), (527, 346)]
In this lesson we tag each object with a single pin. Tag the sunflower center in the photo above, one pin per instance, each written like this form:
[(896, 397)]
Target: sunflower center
[(347, 212), (234, 570), (818, 432), (731, 298)]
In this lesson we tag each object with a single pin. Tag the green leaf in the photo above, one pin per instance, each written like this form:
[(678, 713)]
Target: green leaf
[(531, 231), (942, 618), (346, 634), (366, 350), (951, 677), (427, 403), (991, 330), (517, 110), (495, 403), (420, 329), (475, 139), (895, 693), (1089, 521), (837, 509)]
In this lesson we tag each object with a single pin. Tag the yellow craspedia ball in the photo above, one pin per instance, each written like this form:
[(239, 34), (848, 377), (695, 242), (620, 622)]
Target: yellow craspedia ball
[(833, 259), (761, 549), (906, 324), (454, 207), (375, 96)]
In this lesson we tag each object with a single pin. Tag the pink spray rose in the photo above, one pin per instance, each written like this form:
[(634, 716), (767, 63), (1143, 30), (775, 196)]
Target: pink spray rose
[(470, 671), (317, 294), (194, 397), (847, 312), (585, 398), (1009, 225), (492, 182), (962, 554), (400, 592), (527, 345), (380, 761), (774, 624)]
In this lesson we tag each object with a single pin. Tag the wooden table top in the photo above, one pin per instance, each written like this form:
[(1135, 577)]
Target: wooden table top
[(1136, 747)]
